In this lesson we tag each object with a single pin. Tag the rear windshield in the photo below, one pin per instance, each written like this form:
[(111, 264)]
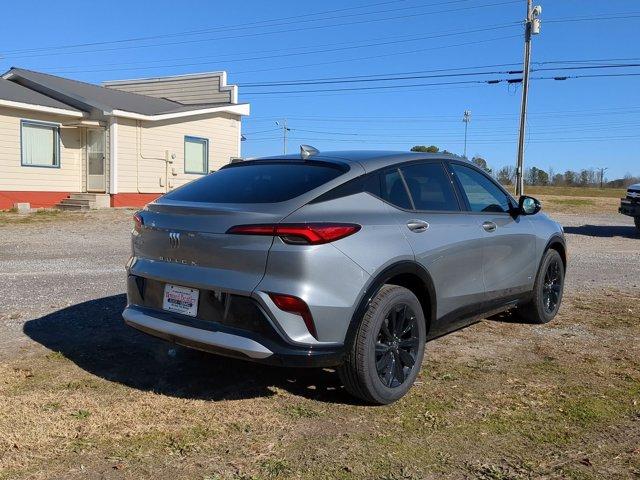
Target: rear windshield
[(257, 182)]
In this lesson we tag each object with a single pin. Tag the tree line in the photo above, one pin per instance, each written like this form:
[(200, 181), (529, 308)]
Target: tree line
[(587, 177)]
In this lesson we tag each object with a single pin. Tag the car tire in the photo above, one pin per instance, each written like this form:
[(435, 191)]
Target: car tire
[(547, 291), (637, 222), (386, 353)]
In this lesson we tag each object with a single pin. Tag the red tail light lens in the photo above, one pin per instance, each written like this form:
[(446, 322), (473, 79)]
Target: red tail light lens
[(138, 222), (291, 304), (300, 233)]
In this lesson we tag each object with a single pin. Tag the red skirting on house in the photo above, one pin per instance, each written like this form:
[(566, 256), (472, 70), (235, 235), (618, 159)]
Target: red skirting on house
[(37, 199), (132, 199), (8, 199)]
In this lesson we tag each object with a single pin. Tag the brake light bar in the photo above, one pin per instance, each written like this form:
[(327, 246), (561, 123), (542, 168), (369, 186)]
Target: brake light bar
[(299, 233), (297, 306)]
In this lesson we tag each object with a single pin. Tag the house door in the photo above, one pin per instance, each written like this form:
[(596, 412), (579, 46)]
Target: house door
[(96, 181)]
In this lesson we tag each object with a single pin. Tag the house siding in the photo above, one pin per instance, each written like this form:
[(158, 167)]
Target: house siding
[(142, 148), (188, 91), (18, 178)]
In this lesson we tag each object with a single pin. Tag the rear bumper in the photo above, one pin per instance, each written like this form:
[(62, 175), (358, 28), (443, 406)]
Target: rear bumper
[(629, 207), (228, 341), (177, 332)]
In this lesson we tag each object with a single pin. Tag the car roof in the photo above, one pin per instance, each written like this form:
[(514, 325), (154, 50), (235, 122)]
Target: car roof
[(369, 160)]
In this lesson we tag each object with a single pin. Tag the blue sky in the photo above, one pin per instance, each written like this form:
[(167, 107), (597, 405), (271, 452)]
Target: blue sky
[(577, 123)]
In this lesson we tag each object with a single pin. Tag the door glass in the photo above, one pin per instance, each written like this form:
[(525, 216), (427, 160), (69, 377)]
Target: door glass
[(483, 195), (430, 187), (393, 189), (95, 152), (95, 160)]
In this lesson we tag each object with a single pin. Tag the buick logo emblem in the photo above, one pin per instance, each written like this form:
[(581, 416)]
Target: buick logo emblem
[(174, 239)]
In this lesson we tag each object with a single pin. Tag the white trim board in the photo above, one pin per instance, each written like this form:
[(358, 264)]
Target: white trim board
[(113, 155), (40, 108), (242, 109)]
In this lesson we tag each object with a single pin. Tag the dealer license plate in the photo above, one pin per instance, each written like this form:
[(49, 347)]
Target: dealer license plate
[(182, 300)]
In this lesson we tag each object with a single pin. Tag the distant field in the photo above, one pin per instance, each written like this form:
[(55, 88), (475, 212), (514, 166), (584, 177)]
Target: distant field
[(575, 191)]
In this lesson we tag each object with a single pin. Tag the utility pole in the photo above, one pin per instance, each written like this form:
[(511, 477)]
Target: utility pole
[(466, 118), (602, 170), (285, 129), (532, 27)]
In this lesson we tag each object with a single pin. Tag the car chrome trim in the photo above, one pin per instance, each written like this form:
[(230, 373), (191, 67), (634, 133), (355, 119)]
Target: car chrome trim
[(176, 332)]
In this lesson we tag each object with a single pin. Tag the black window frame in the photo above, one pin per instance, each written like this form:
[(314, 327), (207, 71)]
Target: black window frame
[(463, 196), (443, 164), (371, 183)]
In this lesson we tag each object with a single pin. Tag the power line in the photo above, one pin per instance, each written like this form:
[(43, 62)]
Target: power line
[(358, 44), (359, 79), (205, 30), (290, 30), (549, 118), (461, 82), (292, 54), (485, 141), (406, 52), (592, 18)]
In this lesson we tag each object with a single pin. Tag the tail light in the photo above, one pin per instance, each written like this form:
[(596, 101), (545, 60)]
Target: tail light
[(138, 222), (300, 233), (295, 305)]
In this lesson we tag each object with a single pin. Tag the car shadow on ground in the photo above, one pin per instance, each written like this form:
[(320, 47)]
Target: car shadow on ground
[(93, 335), (604, 231)]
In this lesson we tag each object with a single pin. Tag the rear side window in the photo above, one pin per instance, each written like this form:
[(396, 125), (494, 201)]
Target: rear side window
[(430, 187), (392, 189), (258, 182)]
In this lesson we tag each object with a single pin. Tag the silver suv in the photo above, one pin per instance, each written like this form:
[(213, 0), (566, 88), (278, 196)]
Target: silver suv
[(344, 259)]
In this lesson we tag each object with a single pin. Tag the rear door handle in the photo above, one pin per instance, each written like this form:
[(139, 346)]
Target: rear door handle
[(417, 226), (489, 226)]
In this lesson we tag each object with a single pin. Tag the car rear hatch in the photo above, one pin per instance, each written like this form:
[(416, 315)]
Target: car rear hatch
[(190, 246), (184, 239)]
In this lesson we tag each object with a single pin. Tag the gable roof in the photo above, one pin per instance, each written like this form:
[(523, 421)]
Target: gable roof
[(101, 101), (14, 95)]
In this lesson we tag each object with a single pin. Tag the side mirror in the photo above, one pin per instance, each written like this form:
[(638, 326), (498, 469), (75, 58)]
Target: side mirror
[(529, 205)]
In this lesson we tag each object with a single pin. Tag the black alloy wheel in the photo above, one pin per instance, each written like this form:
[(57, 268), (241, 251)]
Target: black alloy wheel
[(397, 345), (552, 286)]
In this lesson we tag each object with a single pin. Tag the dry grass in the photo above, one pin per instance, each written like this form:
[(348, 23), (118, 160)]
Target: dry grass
[(579, 205), (498, 400), (576, 191)]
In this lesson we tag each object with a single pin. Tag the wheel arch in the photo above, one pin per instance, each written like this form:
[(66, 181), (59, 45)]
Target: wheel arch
[(557, 243), (407, 274)]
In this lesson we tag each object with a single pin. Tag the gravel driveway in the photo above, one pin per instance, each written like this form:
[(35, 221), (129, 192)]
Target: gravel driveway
[(50, 264)]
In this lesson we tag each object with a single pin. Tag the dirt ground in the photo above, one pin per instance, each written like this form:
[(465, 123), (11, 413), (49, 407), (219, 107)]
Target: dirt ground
[(82, 396)]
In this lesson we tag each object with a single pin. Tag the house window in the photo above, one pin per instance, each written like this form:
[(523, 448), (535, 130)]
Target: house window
[(196, 155), (40, 144)]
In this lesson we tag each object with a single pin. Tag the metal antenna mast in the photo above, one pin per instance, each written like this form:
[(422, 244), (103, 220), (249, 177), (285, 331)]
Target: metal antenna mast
[(466, 118)]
